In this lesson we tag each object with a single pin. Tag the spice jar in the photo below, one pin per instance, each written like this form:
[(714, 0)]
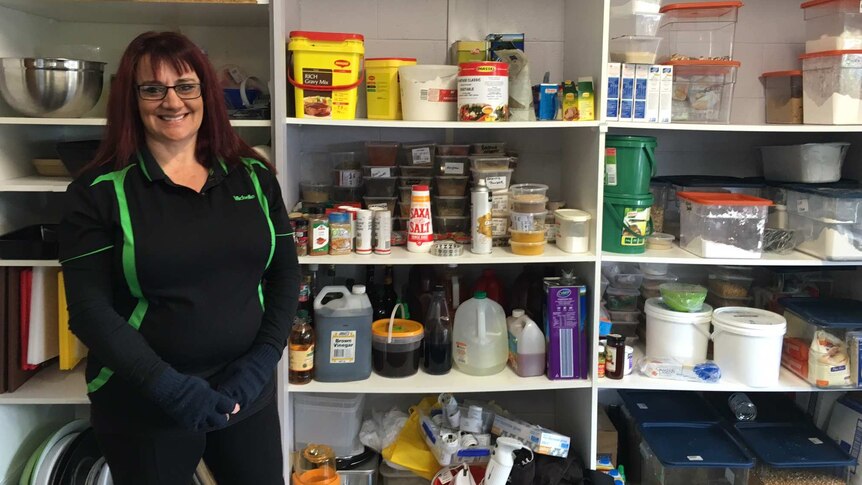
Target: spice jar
[(615, 356), (340, 235), (300, 233), (318, 242)]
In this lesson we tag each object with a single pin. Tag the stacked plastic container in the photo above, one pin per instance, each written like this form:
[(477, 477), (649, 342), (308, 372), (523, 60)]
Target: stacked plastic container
[(829, 221), (832, 63), (621, 297), (721, 225), (634, 25), (698, 44), (730, 286), (527, 216)]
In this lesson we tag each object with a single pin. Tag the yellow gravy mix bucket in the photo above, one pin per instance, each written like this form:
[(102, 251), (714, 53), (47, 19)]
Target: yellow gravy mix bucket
[(327, 69), (382, 91)]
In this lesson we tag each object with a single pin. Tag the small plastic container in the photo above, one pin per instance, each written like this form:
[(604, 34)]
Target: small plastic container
[(380, 187), (574, 233), (408, 181), (528, 249), (718, 225), (404, 193), (315, 193), (416, 171), (452, 165), (347, 177), (623, 275), (634, 49), (528, 221), (419, 154), (404, 210), (334, 419), (719, 302), (652, 282), (622, 299), (500, 227), (396, 347), (494, 179), (490, 148), (647, 293), (387, 203), (527, 236), (381, 153), (342, 160), (528, 197), (623, 316), (347, 194), (660, 241), (453, 150), (783, 91), (703, 90), (485, 162), (641, 24), (832, 87), (448, 206), (699, 30), (832, 25), (728, 285), (452, 185), (369, 171), (450, 224)]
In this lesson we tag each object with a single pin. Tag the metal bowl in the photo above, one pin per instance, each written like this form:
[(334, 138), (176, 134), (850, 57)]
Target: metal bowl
[(48, 87)]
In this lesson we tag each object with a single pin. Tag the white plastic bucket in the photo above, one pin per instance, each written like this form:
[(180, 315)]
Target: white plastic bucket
[(429, 92), (681, 335), (748, 344)]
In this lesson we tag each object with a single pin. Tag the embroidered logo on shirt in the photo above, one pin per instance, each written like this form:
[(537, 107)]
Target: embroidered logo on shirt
[(243, 197)]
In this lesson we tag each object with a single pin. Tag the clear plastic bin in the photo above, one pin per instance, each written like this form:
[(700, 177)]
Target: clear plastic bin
[(333, 419), (421, 154), (528, 221), (382, 153), (832, 87), (380, 187), (453, 150), (315, 192), (622, 8), (703, 91), (448, 206), (783, 90), (634, 49), (391, 476), (640, 24), (828, 220), (451, 185), (728, 285), (699, 30), (714, 225), (486, 162), (622, 299), (652, 282), (832, 25), (623, 275), (452, 165)]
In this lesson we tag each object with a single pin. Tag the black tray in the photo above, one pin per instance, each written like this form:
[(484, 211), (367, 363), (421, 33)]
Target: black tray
[(31, 242)]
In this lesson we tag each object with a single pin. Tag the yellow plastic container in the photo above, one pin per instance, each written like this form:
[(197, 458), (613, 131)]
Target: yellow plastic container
[(326, 73), (382, 90)]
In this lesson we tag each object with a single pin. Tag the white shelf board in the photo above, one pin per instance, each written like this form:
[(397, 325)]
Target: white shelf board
[(677, 255), (363, 123), (400, 256), (455, 381), (206, 13), (35, 184), (29, 262), (613, 125), (22, 120), (51, 386), (787, 382)]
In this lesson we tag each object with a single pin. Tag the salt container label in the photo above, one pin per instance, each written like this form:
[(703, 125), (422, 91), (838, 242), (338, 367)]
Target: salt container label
[(342, 347)]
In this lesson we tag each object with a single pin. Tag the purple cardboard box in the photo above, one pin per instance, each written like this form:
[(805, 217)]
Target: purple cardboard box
[(565, 329)]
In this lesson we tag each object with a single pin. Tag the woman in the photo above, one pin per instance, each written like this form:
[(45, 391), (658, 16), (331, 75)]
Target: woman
[(181, 278)]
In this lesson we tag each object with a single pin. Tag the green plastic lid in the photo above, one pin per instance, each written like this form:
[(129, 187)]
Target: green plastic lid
[(480, 295), (630, 141)]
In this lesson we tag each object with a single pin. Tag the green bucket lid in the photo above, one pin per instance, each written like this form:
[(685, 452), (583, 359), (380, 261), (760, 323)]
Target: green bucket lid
[(625, 141)]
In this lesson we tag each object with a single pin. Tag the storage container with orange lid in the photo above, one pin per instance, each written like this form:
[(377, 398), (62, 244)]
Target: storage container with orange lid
[(699, 30), (832, 25), (722, 225), (703, 90), (396, 346), (783, 90), (832, 87)]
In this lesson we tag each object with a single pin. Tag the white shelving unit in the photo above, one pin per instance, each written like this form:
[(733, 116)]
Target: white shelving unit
[(51, 386), (677, 255), (400, 256), (20, 120), (35, 184)]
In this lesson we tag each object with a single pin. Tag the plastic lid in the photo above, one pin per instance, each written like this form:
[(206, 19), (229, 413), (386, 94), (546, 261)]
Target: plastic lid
[(622, 291), (703, 67), (660, 236), (358, 289), (718, 198), (813, 55), (572, 215), (826, 312), (695, 445), (835, 193), (749, 319), (401, 329), (814, 3), (627, 141), (339, 217), (517, 313), (406, 59), (711, 9), (792, 445), (325, 36), (480, 295), (420, 188), (710, 181), (667, 407), (781, 73)]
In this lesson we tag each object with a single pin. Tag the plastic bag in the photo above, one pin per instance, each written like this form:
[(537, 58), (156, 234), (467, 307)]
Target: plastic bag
[(382, 429), (409, 449)]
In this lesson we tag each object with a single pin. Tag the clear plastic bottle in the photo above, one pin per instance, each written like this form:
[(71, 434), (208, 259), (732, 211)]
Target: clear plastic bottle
[(438, 335), (480, 340), (742, 407)]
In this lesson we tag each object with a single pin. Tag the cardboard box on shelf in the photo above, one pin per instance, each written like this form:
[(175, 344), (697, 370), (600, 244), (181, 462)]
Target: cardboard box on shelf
[(606, 436), (627, 92), (540, 440), (612, 92), (845, 427)]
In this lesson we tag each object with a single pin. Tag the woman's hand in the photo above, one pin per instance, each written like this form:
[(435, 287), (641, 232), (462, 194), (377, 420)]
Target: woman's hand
[(191, 401)]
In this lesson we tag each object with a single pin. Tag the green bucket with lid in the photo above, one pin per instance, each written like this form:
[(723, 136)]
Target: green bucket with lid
[(629, 165), (626, 223)]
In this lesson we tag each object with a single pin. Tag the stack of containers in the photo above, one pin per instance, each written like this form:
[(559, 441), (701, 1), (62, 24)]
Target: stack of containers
[(698, 44), (633, 27), (730, 286), (527, 218), (630, 163), (829, 220), (416, 168), (621, 297), (832, 63), (451, 176), (489, 162)]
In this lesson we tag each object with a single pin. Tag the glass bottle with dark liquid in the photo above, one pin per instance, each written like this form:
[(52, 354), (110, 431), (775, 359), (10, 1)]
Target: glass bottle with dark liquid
[(438, 335)]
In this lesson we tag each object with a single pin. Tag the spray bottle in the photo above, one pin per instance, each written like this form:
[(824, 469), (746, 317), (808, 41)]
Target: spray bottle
[(480, 219), (502, 461)]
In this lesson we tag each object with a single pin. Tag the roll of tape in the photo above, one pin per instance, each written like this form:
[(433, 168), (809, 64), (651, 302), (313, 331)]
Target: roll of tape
[(468, 440)]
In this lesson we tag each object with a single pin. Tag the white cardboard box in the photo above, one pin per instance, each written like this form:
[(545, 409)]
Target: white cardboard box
[(653, 93), (627, 92), (540, 440), (665, 109), (845, 428), (641, 78), (612, 96)]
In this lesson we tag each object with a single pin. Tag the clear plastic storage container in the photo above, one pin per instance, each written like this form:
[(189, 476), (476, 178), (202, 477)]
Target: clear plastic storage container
[(641, 24), (703, 90), (699, 30), (829, 221), (634, 49), (832, 87), (333, 419), (715, 225), (783, 90), (623, 8), (391, 476), (832, 25)]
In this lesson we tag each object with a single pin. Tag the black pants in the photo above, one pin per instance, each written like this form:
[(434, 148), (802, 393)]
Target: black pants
[(247, 452)]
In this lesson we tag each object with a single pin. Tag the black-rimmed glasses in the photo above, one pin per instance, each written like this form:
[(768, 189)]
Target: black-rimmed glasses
[(157, 92)]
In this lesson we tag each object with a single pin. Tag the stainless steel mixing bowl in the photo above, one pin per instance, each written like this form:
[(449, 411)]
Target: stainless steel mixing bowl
[(47, 87)]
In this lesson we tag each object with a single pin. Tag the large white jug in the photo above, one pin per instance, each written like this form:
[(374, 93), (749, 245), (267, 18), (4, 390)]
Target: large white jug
[(480, 343)]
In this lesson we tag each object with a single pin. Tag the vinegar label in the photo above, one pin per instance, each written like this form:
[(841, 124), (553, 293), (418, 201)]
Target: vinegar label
[(342, 347)]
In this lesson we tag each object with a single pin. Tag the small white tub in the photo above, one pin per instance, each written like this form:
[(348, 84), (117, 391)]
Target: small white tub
[(748, 345), (683, 336), (574, 236), (429, 92)]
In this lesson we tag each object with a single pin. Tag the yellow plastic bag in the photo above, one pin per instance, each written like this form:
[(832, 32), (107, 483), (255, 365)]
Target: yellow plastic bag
[(409, 449)]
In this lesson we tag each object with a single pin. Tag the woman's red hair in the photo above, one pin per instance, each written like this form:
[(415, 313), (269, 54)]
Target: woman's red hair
[(124, 133)]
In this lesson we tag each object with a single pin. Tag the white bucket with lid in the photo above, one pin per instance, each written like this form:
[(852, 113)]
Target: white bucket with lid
[(748, 344), (429, 92), (681, 335)]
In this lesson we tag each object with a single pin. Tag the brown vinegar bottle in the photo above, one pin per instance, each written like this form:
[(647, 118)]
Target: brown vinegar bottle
[(301, 350)]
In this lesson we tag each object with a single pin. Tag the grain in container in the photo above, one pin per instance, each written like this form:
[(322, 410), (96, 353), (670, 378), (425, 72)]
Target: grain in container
[(717, 225), (453, 150), (528, 221), (828, 220), (783, 91), (574, 234), (381, 153), (811, 163), (490, 162), (494, 179), (730, 282), (747, 345), (680, 335), (703, 90), (699, 30), (396, 347), (451, 185), (419, 154), (429, 92), (528, 197), (832, 87), (483, 91), (832, 25), (449, 205), (326, 69), (634, 49), (382, 89)]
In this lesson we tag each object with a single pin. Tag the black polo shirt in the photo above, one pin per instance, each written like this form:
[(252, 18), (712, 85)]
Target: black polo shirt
[(158, 274)]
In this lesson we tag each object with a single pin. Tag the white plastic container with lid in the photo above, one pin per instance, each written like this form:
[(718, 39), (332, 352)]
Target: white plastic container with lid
[(810, 163), (680, 335), (748, 345), (719, 225), (832, 25), (699, 30), (480, 339), (703, 90), (828, 221), (333, 419), (574, 235), (429, 92), (526, 345), (832, 87)]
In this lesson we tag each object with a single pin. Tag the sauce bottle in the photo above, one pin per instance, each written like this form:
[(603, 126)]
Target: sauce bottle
[(301, 350), (615, 356), (438, 335)]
